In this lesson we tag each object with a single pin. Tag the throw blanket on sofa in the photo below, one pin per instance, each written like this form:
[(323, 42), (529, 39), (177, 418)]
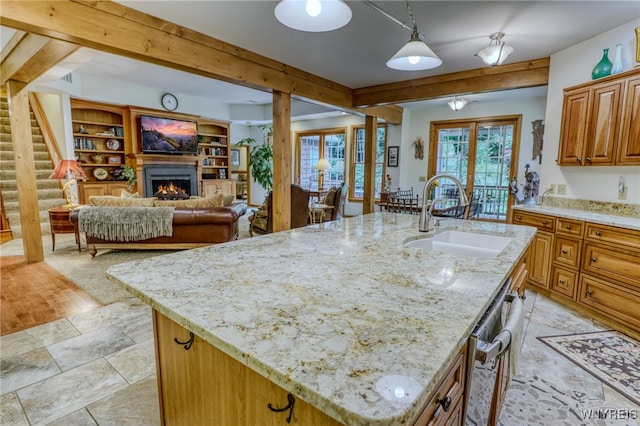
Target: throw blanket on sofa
[(126, 223)]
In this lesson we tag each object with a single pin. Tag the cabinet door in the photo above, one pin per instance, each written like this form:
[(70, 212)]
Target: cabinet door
[(629, 141), (567, 251), (539, 262), (574, 128), (610, 299), (87, 189), (603, 124), (564, 281)]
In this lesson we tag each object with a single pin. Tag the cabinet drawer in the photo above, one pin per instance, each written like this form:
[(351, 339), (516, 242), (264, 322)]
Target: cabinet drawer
[(451, 389), (540, 221), (564, 281), (574, 228), (611, 234), (566, 251), (609, 261), (611, 299)]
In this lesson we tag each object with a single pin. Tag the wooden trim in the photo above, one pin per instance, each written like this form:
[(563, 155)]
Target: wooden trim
[(282, 157), (47, 133), (512, 76)]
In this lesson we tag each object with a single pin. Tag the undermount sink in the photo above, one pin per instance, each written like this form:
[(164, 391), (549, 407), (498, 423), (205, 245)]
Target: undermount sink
[(462, 243)]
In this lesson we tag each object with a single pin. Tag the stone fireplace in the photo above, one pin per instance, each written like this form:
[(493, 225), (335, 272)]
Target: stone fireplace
[(181, 178)]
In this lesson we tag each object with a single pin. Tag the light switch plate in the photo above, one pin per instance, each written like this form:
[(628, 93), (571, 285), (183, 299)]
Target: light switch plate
[(562, 189)]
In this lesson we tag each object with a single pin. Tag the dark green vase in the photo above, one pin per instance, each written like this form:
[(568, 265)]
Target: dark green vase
[(602, 68)]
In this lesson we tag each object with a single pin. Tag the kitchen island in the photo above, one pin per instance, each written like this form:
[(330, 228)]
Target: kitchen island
[(339, 315)]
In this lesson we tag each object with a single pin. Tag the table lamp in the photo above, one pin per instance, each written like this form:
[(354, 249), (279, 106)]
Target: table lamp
[(68, 169), (322, 166)]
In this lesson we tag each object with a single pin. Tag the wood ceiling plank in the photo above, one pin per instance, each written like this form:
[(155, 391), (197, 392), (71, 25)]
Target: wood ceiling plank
[(513, 76)]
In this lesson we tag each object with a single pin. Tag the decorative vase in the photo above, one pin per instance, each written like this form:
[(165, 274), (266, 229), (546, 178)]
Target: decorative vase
[(602, 68), (617, 63)]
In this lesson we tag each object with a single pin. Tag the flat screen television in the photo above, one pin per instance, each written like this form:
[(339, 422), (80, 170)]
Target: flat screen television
[(168, 135)]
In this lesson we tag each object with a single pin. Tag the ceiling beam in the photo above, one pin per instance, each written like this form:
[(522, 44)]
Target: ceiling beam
[(27, 56), (110, 27), (512, 76)]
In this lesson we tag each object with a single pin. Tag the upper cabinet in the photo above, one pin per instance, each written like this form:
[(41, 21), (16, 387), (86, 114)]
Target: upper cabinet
[(600, 122)]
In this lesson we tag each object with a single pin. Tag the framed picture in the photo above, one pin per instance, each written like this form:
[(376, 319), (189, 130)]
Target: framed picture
[(235, 157), (114, 159), (392, 156)]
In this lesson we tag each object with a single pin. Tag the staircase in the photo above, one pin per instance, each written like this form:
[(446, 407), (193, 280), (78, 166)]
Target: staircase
[(49, 191)]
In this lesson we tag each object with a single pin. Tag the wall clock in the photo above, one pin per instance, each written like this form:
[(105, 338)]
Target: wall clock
[(169, 102)]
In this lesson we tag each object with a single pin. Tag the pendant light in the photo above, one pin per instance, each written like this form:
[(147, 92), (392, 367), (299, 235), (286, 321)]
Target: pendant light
[(457, 103), (496, 52), (313, 15), (415, 55)]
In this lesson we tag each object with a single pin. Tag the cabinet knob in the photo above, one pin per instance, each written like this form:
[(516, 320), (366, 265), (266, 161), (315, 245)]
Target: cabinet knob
[(544, 222), (519, 217), (589, 292), (561, 281), (564, 252), (588, 159), (578, 159), (593, 259), (445, 403), (568, 227), (597, 233)]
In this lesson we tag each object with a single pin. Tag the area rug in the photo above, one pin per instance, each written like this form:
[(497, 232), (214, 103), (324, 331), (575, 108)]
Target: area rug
[(610, 356)]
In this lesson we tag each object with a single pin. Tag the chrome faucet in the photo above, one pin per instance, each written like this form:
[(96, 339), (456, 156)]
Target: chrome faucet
[(426, 219)]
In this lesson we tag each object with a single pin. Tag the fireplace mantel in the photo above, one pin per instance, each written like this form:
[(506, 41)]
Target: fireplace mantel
[(142, 160)]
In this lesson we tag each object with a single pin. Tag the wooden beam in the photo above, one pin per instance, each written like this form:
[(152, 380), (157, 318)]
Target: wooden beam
[(20, 120), (30, 55), (370, 135), (513, 76), (282, 158)]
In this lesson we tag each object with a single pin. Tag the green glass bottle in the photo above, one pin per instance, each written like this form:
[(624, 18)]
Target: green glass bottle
[(602, 68)]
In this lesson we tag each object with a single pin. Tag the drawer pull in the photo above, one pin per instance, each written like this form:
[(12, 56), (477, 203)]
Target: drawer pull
[(593, 259), (589, 159), (561, 281), (578, 159), (519, 217), (445, 403), (597, 233), (187, 345), (291, 400), (589, 292), (568, 227), (564, 252), (544, 222)]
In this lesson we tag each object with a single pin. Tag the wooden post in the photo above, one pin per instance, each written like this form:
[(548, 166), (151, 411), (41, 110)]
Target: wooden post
[(370, 142), (281, 200), (20, 118)]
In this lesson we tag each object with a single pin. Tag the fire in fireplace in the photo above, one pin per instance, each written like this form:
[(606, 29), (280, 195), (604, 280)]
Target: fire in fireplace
[(170, 191)]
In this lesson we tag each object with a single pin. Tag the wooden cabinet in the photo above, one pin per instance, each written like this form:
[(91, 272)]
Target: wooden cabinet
[(598, 126), (87, 189), (593, 267), (215, 186), (539, 261), (213, 144), (200, 385), (446, 404)]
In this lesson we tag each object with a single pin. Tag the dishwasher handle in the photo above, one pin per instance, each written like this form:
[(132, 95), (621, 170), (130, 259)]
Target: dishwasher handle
[(489, 351)]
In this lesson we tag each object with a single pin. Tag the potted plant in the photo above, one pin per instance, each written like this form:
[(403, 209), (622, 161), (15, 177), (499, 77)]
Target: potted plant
[(261, 158), (126, 173)]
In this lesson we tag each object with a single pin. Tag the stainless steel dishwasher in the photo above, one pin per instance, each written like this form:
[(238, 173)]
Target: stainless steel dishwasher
[(492, 346)]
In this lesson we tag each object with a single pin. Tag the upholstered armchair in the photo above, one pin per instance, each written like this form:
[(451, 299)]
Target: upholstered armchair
[(261, 221), (330, 206)]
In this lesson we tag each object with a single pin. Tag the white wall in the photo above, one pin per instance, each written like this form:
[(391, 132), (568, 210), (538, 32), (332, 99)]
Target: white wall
[(570, 67), (417, 122)]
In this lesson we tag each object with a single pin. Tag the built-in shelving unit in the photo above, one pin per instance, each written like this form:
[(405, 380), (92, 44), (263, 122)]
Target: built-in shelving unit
[(213, 144)]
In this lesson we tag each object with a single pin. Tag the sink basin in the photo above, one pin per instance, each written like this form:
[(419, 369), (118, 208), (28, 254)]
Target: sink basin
[(462, 243)]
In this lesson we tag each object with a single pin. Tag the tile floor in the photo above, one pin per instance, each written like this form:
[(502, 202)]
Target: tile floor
[(98, 367)]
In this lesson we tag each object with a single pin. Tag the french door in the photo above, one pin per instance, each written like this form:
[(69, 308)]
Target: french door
[(313, 145), (480, 153)]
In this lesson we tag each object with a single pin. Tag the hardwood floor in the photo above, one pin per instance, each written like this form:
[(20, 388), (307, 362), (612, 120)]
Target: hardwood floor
[(34, 294)]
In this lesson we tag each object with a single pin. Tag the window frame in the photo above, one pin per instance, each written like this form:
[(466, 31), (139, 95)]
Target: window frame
[(353, 163), (322, 134)]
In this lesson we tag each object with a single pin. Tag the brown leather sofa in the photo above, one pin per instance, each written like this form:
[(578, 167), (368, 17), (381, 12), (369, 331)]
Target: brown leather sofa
[(192, 227)]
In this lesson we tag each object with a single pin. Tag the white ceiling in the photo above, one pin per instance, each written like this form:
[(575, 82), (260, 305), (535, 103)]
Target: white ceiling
[(355, 55)]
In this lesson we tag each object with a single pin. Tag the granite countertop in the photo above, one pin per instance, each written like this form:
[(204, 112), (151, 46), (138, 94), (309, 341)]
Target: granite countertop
[(340, 314), (585, 215)]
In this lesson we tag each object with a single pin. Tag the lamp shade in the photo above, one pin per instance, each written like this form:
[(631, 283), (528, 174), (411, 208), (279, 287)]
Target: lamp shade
[(457, 103), (313, 15), (414, 56), (322, 165), (496, 52), (68, 169)]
